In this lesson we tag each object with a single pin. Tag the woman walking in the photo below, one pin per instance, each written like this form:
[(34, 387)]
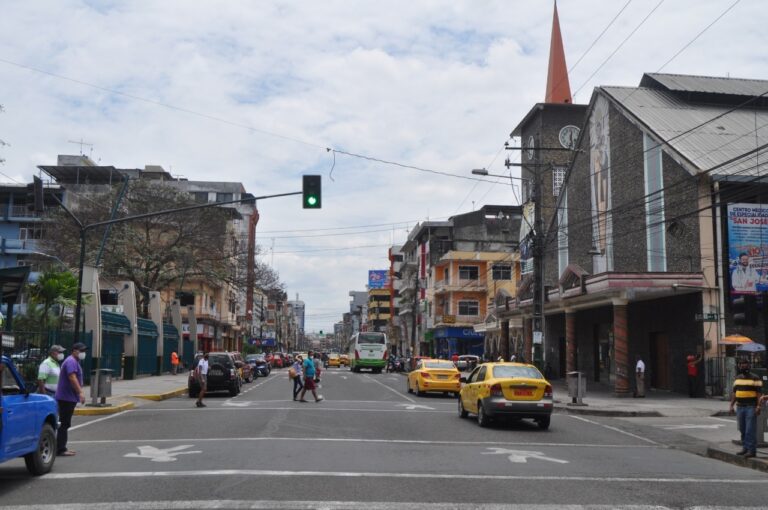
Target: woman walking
[(296, 371)]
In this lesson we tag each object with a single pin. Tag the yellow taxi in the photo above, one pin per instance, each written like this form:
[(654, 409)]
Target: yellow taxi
[(334, 360), (516, 390), (434, 375), (344, 360)]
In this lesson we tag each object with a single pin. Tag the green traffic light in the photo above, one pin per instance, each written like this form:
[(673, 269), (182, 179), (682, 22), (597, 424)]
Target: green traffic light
[(311, 200)]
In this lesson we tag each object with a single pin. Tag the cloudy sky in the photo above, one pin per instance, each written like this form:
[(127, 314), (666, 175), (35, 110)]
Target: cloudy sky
[(257, 92)]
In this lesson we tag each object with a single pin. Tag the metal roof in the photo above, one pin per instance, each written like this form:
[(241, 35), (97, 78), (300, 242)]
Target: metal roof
[(706, 84), (731, 135)]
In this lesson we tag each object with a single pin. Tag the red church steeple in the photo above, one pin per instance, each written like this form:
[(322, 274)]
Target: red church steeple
[(558, 87)]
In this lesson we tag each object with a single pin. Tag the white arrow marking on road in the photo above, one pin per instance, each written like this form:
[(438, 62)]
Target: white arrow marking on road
[(343, 376), (160, 455), (411, 407), (683, 427), (522, 456)]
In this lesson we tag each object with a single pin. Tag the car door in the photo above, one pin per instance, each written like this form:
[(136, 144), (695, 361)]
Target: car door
[(475, 387), (18, 416), (468, 399)]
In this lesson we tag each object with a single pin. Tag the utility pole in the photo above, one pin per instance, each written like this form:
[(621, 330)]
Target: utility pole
[(415, 308), (538, 258)]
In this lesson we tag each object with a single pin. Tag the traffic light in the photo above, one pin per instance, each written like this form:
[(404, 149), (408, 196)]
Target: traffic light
[(744, 310), (311, 192), (35, 197)]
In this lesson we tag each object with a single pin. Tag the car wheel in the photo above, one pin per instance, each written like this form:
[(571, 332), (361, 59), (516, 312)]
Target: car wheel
[(41, 460), (462, 412), (544, 422), (408, 385), (418, 390), (482, 418), (233, 391)]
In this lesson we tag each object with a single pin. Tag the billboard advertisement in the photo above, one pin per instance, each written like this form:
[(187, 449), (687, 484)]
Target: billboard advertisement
[(378, 279), (748, 248)]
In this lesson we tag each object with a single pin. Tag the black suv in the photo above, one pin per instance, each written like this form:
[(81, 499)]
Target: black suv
[(222, 375), (259, 364)]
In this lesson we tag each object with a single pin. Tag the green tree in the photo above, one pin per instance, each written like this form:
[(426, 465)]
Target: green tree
[(49, 297)]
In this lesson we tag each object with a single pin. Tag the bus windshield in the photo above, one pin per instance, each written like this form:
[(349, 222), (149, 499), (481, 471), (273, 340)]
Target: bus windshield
[(371, 338)]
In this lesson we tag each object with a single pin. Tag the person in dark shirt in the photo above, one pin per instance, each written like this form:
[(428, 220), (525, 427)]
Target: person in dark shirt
[(747, 388)]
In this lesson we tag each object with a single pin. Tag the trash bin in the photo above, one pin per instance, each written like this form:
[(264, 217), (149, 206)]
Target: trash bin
[(101, 385), (576, 387)]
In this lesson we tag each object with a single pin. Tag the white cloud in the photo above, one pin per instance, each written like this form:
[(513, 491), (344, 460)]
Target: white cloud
[(431, 84)]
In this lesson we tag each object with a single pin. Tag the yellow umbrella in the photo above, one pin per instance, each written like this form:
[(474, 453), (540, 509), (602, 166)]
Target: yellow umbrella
[(735, 339)]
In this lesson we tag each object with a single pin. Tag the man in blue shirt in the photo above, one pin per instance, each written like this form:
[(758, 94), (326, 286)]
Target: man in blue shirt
[(309, 378)]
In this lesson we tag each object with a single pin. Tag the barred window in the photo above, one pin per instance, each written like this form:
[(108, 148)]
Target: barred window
[(558, 176), (502, 272), (469, 308)]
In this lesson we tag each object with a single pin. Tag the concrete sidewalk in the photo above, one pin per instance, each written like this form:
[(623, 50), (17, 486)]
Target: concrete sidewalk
[(128, 394), (601, 401)]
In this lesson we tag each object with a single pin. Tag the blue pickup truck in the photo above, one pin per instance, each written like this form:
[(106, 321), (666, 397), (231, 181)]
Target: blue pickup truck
[(29, 422)]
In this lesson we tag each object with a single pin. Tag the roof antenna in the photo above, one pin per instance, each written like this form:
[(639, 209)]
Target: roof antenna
[(81, 143)]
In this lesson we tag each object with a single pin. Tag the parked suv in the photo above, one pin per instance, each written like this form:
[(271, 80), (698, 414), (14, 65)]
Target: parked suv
[(29, 422), (222, 375)]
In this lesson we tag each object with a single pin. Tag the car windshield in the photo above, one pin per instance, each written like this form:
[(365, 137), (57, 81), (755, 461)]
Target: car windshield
[(333, 356), (438, 364), (510, 372), (371, 338)]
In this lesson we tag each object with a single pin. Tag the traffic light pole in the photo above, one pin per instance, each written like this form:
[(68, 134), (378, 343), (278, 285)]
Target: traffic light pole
[(85, 228)]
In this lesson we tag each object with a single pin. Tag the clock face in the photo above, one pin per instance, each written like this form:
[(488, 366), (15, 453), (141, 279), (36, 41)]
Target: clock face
[(568, 137), (530, 145)]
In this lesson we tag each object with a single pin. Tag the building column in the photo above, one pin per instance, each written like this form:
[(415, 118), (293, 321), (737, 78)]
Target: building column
[(570, 340), (528, 340), (504, 340), (127, 298), (622, 386), (156, 315)]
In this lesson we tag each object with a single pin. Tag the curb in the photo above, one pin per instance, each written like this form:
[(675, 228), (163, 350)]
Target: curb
[(162, 396), (607, 412), (732, 458), (96, 411)]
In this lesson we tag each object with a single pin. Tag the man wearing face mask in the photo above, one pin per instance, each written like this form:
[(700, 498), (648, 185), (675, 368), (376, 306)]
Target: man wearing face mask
[(68, 393), (48, 373), (746, 396)]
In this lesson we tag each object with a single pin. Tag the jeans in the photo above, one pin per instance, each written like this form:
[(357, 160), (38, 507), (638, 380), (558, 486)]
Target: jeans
[(66, 410), (297, 386), (747, 420)]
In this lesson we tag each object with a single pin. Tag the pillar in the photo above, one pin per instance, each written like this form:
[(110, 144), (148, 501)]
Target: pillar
[(570, 340), (504, 340), (528, 340), (156, 315), (622, 385), (127, 298)]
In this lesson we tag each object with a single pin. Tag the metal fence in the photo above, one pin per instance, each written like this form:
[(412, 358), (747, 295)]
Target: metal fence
[(30, 348)]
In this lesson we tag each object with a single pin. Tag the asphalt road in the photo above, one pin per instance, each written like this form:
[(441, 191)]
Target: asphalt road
[(369, 445)]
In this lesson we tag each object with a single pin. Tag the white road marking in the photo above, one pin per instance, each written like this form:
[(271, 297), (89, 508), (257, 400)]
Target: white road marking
[(731, 421), (298, 407), (353, 440), (411, 407), (690, 426), (260, 473), (615, 429), (121, 413), (333, 505), (406, 397), (237, 404), (160, 455), (522, 456)]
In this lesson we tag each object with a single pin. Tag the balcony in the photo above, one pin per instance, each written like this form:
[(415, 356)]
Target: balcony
[(442, 286), (21, 211), (19, 246)]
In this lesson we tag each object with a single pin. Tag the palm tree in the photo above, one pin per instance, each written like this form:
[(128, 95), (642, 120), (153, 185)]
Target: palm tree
[(52, 289)]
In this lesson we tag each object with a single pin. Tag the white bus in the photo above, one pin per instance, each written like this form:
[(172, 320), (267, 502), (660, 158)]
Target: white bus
[(368, 349)]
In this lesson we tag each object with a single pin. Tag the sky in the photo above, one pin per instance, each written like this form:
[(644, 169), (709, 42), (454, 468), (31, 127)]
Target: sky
[(380, 98)]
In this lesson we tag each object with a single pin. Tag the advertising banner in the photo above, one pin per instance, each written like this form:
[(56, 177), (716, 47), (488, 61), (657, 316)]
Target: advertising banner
[(526, 239), (378, 279), (747, 248)]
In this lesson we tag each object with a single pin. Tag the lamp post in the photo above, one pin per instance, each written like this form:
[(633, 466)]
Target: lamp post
[(537, 249)]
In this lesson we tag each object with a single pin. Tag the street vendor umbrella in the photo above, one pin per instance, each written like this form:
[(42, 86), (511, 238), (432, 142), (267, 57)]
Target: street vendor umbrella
[(751, 347), (735, 339)]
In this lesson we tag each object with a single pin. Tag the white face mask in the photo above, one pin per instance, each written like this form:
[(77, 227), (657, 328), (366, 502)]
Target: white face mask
[(81, 355), (60, 356)]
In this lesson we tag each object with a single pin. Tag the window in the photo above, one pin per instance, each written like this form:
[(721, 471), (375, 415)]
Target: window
[(30, 231), (186, 298), (468, 273), (654, 206), (558, 176), (469, 308), (506, 371), (224, 197), (200, 197), (502, 272)]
